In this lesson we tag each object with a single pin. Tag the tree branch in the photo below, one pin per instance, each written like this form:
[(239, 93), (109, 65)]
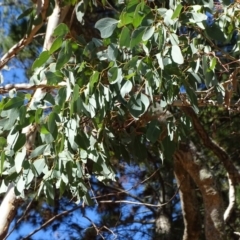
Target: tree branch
[(232, 200), (28, 38), (51, 220), (212, 145)]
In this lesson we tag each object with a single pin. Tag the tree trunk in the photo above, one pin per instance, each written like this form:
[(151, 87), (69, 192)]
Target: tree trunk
[(188, 165)]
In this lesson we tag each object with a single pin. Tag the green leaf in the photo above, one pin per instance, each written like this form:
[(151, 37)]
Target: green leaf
[(93, 79), (53, 78), (82, 140), (38, 115), (124, 40), (80, 11), (127, 14), (148, 33), (106, 26), (13, 103), (168, 148), (177, 54), (215, 33), (52, 126), (38, 151), (19, 158), (209, 77), (61, 30), (49, 98), (50, 193), (160, 60), (140, 13), (38, 166), (25, 13), (192, 97), (112, 52), (21, 184), (69, 167), (57, 43), (41, 60), (61, 96), (138, 105), (3, 142), (64, 54), (114, 75), (213, 63), (21, 140), (153, 131), (177, 11), (2, 162), (22, 114), (161, 38), (44, 130), (76, 92), (126, 88), (136, 37)]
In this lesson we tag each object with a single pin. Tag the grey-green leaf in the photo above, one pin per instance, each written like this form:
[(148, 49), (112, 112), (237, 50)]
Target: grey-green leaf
[(177, 54), (106, 26)]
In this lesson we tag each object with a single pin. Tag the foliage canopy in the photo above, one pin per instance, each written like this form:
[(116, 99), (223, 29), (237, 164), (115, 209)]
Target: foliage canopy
[(119, 96)]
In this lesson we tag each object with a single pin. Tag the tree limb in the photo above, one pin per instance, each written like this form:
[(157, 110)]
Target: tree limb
[(51, 220), (212, 145), (28, 38)]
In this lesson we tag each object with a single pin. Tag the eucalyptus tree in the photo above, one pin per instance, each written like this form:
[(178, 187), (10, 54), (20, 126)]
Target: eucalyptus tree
[(116, 95)]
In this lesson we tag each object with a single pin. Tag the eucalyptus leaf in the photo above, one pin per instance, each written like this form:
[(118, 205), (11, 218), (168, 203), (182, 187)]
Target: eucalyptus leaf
[(106, 26)]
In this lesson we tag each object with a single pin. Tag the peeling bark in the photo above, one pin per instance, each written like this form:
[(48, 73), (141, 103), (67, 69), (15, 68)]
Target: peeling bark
[(8, 210), (213, 203)]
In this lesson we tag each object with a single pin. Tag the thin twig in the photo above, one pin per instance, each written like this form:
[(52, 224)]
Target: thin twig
[(51, 220), (26, 39)]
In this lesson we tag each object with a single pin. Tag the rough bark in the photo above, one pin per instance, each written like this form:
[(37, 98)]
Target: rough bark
[(188, 198), (213, 204)]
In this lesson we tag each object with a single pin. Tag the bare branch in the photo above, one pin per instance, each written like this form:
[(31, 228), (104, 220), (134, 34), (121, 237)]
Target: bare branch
[(232, 200), (28, 38), (51, 220), (27, 87)]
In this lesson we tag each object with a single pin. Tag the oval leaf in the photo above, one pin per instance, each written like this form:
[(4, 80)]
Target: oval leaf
[(106, 26), (177, 54)]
